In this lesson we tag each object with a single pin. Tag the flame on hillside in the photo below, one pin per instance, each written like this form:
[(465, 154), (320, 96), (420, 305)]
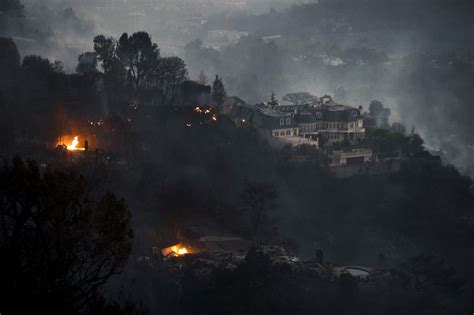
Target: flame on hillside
[(176, 250), (72, 145)]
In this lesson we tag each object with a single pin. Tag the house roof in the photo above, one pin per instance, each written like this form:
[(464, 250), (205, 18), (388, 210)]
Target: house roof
[(336, 113), (273, 119), (284, 117), (305, 118)]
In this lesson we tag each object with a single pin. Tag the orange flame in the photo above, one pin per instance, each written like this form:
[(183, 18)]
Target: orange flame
[(176, 250), (73, 145)]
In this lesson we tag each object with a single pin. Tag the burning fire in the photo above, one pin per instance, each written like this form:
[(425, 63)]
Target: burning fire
[(176, 250), (182, 251), (206, 111), (73, 146)]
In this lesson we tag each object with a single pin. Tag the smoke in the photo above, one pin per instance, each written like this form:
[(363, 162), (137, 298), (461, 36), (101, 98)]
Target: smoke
[(414, 56)]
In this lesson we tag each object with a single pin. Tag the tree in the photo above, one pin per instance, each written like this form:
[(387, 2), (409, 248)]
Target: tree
[(37, 65), (398, 128), (57, 67), (203, 78), (169, 75), (114, 73), (259, 198), (273, 101), (87, 63), (379, 114), (139, 56), (13, 8), (300, 98), (59, 244), (428, 272), (219, 93), (9, 59), (6, 128), (104, 48)]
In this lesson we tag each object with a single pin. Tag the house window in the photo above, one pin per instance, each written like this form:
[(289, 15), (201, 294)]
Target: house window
[(288, 132), (282, 122), (288, 121)]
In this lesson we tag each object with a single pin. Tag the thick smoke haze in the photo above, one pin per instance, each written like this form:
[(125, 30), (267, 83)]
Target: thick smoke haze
[(414, 56), (154, 126)]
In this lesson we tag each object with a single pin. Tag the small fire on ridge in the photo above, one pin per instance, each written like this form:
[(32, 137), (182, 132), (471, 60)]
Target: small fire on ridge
[(72, 145), (176, 250)]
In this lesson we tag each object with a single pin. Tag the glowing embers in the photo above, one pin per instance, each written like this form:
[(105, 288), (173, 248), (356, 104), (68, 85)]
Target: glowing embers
[(97, 123), (206, 111)]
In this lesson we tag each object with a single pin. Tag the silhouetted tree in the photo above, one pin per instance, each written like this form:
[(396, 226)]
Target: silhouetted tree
[(57, 67), (59, 242), (87, 63), (37, 65), (300, 98), (139, 56), (398, 128), (273, 101), (218, 91), (114, 72), (6, 128), (9, 59), (259, 198), (203, 78), (170, 74), (379, 114), (104, 48)]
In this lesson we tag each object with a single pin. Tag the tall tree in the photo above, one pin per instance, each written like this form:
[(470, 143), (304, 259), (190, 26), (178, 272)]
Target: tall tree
[(113, 70), (273, 101), (218, 92), (6, 128), (9, 59), (170, 74), (259, 198), (104, 48), (59, 241), (379, 114), (202, 79), (139, 56), (300, 98), (87, 63)]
